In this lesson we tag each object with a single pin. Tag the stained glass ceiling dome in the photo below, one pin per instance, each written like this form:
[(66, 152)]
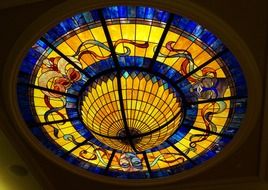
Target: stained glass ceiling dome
[(131, 92)]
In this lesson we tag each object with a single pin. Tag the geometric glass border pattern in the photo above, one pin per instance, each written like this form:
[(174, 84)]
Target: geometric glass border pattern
[(131, 92)]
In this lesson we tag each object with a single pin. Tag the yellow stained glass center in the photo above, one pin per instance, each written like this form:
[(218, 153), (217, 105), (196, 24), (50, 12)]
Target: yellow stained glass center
[(149, 106)]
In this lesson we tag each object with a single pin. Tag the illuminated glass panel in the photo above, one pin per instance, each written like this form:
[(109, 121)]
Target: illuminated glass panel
[(132, 92)]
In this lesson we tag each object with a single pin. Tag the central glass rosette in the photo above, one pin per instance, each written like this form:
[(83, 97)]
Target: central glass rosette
[(137, 113)]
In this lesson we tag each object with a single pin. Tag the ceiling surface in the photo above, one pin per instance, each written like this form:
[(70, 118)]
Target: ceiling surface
[(246, 168)]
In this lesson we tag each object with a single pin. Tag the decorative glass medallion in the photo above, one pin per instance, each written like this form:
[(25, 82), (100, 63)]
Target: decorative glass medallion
[(131, 92)]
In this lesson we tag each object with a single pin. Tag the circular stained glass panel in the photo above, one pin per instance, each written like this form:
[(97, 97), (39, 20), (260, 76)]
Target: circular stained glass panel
[(131, 92)]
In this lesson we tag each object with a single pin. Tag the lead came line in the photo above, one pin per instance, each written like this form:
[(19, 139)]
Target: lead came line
[(58, 121), (118, 71), (109, 162), (76, 147), (48, 90), (211, 132), (161, 41), (147, 163), (182, 153), (216, 100), (64, 56), (218, 55)]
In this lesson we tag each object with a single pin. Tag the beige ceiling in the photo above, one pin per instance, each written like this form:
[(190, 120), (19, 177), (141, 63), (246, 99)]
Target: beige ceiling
[(9, 156), (246, 168), (8, 179)]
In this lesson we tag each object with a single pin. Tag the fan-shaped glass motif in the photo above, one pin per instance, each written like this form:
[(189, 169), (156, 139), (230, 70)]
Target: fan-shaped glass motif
[(131, 92)]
